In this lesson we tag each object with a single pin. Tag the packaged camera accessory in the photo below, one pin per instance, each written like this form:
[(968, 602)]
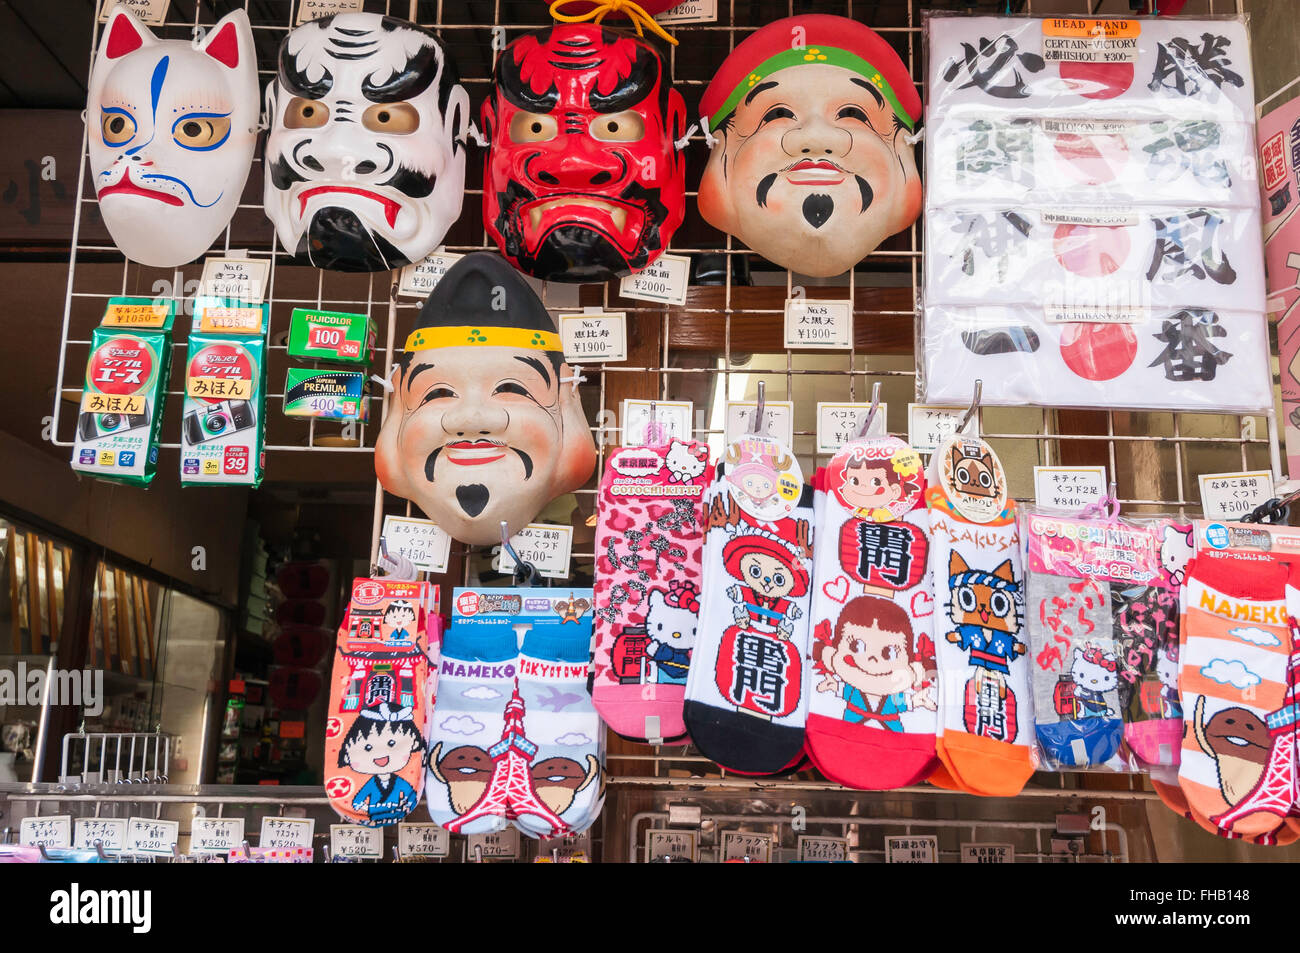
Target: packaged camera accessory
[(126, 380), (225, 392), (332, 395), (331, 336)]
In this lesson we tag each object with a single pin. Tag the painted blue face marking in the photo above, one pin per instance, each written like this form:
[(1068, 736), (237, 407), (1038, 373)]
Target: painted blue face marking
[(188, 190), (155, 93)]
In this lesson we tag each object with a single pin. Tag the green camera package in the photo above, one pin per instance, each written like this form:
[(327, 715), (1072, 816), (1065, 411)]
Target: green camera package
[(335, 336), (120, 417), (225, 395)]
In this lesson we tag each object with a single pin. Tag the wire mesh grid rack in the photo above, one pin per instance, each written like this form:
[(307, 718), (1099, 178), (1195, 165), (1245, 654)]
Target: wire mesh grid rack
[(717, 347)]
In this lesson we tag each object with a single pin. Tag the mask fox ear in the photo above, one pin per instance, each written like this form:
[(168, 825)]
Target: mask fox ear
[(124, 34), (956, 564), (230, 42)]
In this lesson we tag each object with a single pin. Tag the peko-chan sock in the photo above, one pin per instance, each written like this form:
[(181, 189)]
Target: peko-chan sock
[(986, 710), (1238, 757), (873, 698), (477, 676), (746, 695), (649, 542), (567, 769)]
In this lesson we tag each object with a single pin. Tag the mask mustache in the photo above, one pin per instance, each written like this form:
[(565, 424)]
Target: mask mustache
[(764, 187), (432, 461), (417, 185)]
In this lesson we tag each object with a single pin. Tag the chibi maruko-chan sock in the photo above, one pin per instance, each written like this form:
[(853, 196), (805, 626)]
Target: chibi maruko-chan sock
[(873, 695), (649, 543), (478, 675), (746, 694), (985, 718), (566, 771), (1238, 765)]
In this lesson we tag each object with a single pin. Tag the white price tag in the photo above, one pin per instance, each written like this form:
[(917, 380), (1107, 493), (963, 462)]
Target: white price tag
[(778, 419), (1230, 496), (280, 832), (499, 845), (928, 426), (420, 277), (353, 840), (594, 338), (664, 280), (988, 854), (239, 279), (678, 845), (147, 835), (423, 840), (837, 424), (911, 850), (216, 835), (152, 12), (818, 323), (547, 547), (672, 418), (109, 831), (823, 849), (52, 831), (420, 541), (1068, 489), (315, 9), (690, 11), (737, 845)]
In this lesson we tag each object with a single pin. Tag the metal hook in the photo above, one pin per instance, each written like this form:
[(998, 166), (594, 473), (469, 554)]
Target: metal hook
[(99, 851), (478, 853), (871, 414), (974, 407), (525, 572), (756, 426)]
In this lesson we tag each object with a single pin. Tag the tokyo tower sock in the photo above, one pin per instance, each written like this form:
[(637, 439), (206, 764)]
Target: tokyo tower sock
[(649, 541), (872, 708), (566, 771), (985, 706), (477, 677), (1234, 657), (746, 695), (1076, 668)]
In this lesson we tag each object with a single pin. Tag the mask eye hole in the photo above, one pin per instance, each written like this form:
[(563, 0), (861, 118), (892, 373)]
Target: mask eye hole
[(305, 114), (532, 127), (201, 132), (619, 127), (118, 127), (398, 119)]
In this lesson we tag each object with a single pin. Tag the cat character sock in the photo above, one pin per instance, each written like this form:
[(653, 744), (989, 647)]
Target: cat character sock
[(873, 699), (1238, 756), (746, 695), (985, 710), (566, 771), (477, 679), (649, 542)]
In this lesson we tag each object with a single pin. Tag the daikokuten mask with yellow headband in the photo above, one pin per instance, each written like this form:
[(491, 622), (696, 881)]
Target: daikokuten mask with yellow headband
[(486, 424)]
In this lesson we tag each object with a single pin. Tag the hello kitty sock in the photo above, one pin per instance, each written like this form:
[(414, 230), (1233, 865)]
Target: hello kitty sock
[(985, 708), (872, 707), (746, 695), (649, 541), (1236, 648), (567, 768), (477, 677)]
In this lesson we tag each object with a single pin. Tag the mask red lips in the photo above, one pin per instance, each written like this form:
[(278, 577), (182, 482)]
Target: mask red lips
[(391, 208), (815, 172), (127, 187), (473, 453)]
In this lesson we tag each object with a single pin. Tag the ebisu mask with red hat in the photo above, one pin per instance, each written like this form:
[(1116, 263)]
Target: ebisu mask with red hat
[(365, 167), (484, 424), (583, 181), (172, 125), (813, 166)]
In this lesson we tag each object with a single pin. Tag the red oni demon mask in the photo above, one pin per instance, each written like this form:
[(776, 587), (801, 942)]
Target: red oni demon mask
[(582, 180)]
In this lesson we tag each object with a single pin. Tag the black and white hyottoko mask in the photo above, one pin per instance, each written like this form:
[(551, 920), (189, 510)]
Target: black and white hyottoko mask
[(365, 162)]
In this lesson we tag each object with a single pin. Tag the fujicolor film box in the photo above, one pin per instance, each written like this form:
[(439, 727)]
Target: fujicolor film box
[(331, 336), (120, 417), (332, 395), (225, 395)]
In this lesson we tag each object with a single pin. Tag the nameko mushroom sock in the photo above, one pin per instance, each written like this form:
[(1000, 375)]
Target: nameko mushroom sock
[(985, 708), (873, 699), (477, 679), (649, 542), (746, 693), (1238, 757), (566, 771)]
